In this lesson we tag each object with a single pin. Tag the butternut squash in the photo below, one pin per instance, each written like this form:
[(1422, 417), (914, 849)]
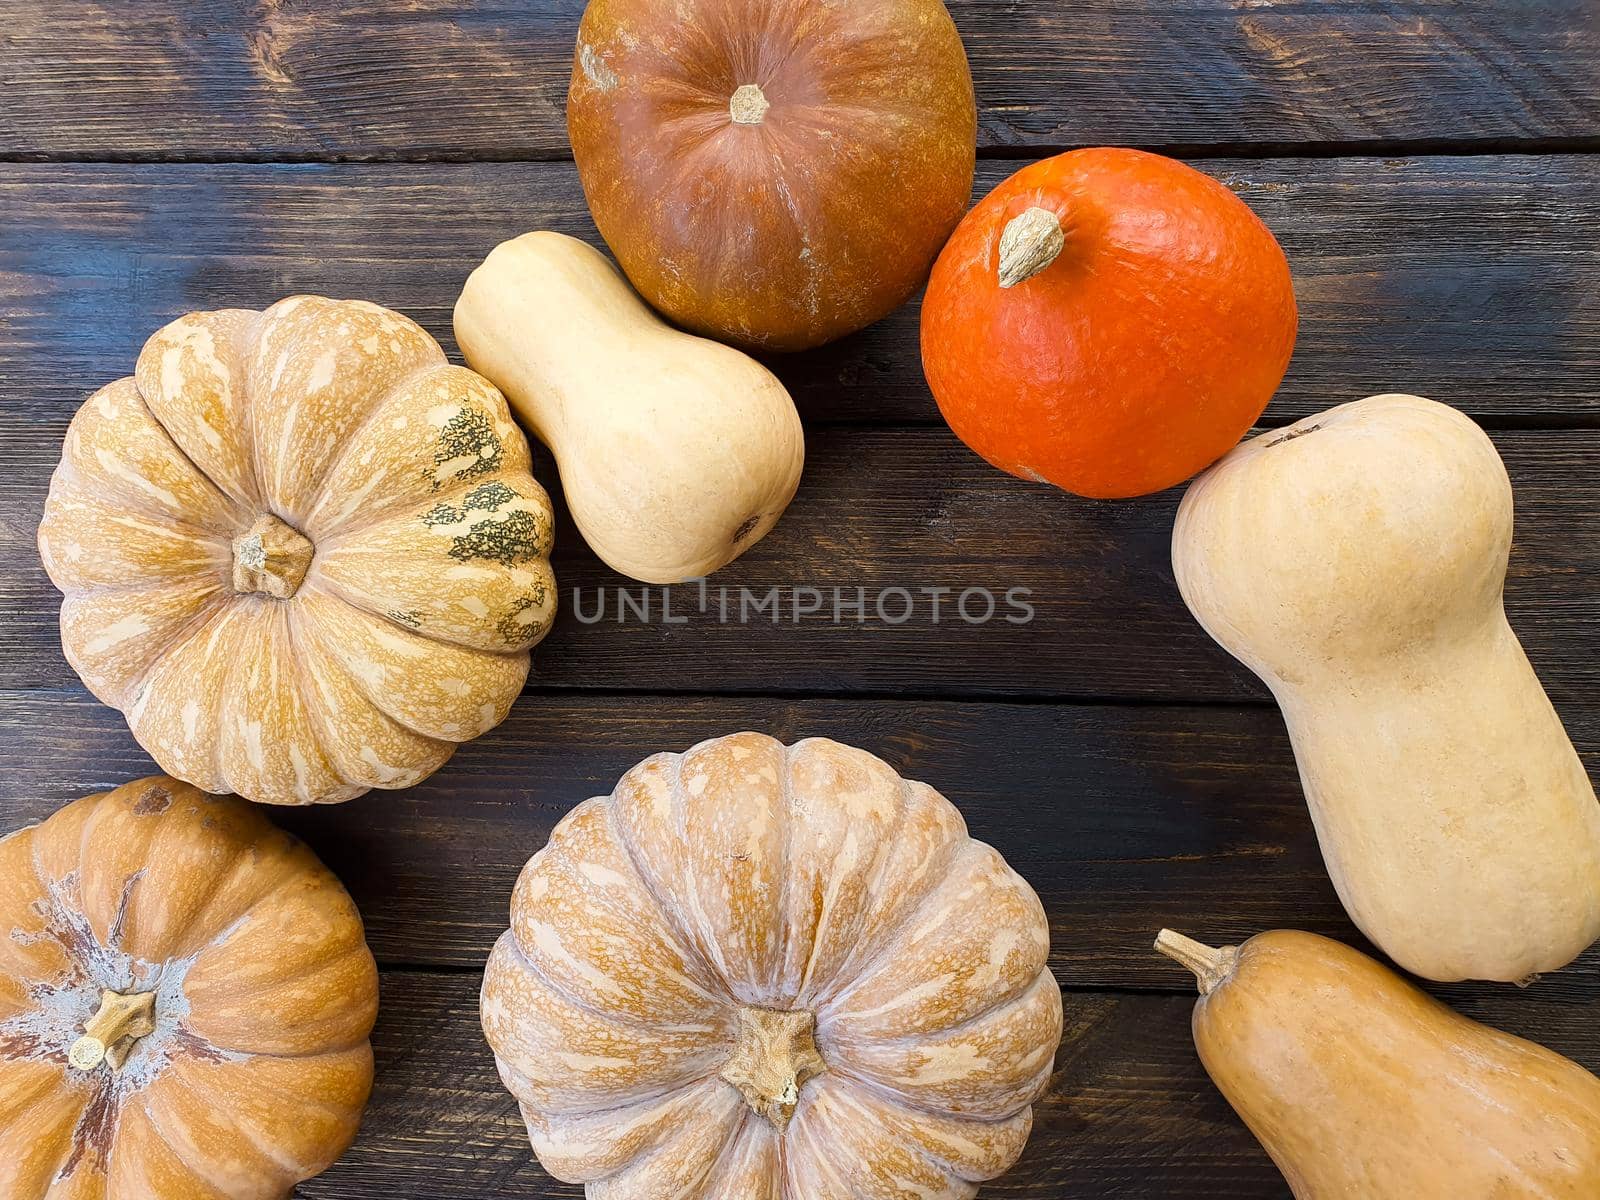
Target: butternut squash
[(676, 454), (1355, 562), (1359, 1084)]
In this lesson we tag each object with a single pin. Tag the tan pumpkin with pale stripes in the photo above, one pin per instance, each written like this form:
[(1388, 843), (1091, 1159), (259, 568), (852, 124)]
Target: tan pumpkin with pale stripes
[(755, 972), (185, 1002), (302, 553)]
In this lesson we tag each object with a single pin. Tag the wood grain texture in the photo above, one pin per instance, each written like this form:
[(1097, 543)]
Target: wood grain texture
[(1470, 279), (881, 509), (1130, 1113), (1123, 818), (372, 79)]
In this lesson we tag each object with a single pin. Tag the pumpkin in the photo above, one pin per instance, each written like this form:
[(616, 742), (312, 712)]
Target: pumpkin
[(1355, 561), (1108, 321), (677, 454), (756, 971), (185, 1001), (773, 173), (1361, 1085), (299, 551)]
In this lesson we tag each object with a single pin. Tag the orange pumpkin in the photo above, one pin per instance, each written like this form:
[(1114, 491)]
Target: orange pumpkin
[(1108, 321), (775, 173), (185, 1001)]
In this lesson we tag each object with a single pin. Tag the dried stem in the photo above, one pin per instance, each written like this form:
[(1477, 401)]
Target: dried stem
[(122, 1018), (1210, 964), (774, 1057), (270, 557), (1029, 243)]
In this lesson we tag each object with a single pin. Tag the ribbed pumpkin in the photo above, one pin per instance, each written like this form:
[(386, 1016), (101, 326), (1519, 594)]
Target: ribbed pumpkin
[(185, 1001), (755, 972), (301, 552)]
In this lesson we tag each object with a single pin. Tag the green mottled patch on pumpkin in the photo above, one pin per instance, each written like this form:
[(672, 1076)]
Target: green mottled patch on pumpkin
[(512, 630), (410, 619), (468, 438), (515, 537)]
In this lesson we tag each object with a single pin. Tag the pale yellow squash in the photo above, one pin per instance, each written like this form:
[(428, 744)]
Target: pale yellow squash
[(1355, 561), (758, 972), (1363, 1087), (677, 454)]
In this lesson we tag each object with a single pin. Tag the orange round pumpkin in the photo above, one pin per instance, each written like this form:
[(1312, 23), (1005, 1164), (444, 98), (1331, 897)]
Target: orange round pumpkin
[(774, 173), (1108, 321), (185, 1002)]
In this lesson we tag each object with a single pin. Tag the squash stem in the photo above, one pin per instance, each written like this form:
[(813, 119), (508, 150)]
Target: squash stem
[(271, 558), (1029, 243), (1210, 964), (748, 105), (774, 1057), (120, 1016)]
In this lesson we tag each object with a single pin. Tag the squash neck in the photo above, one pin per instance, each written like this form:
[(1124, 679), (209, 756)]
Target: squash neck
[(271, 558), (109, 1035), (774, 1057)]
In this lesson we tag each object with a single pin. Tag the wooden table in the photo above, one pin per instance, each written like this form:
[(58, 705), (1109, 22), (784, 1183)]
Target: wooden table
[(1430, 167)]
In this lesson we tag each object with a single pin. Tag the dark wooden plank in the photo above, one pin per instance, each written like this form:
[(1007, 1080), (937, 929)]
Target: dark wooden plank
[(1476, 280), (1130, 1112), (883, 509), (364, 78), (1123, 818)]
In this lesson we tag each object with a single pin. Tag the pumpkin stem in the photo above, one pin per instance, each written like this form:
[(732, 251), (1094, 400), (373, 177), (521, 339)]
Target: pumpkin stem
[(271, 558), (748, 105), (774, 1057), (1029, 243), (1210, 964), (109, 1034)]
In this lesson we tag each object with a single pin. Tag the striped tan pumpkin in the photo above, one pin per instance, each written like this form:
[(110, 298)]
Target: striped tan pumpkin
[(299, 551), (755, 972)]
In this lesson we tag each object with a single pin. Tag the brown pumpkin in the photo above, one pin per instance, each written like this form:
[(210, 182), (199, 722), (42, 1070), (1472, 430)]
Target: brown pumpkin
[(301, 552), (775, 173), (185, 1002), (755, 972)]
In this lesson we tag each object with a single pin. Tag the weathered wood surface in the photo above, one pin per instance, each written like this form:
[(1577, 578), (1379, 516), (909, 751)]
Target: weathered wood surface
[(375, 79), (1130, 1112), (884, 508), (1470, 279), (1123, 818)]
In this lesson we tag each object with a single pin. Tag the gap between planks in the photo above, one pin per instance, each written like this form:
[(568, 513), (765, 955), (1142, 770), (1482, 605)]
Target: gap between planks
[(1333, 148)]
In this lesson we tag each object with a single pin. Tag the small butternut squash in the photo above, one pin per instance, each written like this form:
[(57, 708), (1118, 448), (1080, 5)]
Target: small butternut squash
[(677, 454), (1355, 562), (1359, 1084)]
